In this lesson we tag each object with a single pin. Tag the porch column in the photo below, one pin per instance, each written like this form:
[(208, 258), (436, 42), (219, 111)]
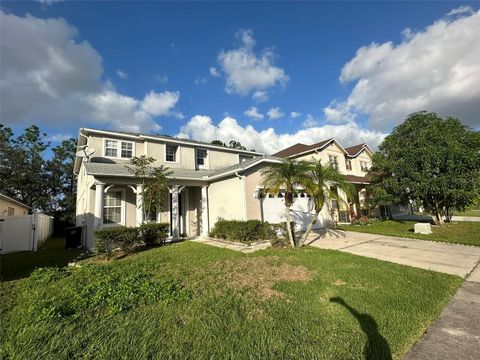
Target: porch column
[(99, 196), (139, 200), (175, 190), (204, 209)]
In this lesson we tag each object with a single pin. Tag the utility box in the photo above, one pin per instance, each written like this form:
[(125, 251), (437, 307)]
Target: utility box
[(423, 228)]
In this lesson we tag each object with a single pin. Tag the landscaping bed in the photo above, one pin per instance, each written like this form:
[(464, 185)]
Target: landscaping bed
[(189, 300), (464, 233)]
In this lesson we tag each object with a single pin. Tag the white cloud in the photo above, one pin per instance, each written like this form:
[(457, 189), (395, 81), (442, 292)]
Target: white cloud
[(436, 69), (58, 138), (260, 96), (214, 72), (121, 74), (461, 10), (162, 79), (310, 122), (48, 2), (338, 113), (200, 81), (48, 77), (275, 113), (268, 141), (253, 113), (246, 72), (295, 114)]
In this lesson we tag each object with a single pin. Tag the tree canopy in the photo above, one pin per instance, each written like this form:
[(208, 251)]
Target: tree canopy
[(431, 160)]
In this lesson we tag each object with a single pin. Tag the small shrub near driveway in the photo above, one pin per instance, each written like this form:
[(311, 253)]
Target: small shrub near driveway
[(244, 231), (128, 238)]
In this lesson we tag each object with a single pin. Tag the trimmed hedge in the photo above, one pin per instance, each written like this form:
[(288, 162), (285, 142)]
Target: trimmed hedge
[(245, 231), (128, 238)]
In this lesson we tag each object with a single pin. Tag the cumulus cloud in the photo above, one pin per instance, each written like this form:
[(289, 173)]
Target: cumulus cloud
[(121, 74), (200, 81), (162, 79), (254, 114), (436, 69), (295, 114), (260, 96), (310, 122), (461, 10), (268, 141), (214, 72), (49, 77), (275, 113), (247, 72)]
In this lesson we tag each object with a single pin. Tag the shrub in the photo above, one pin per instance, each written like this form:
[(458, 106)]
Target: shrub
[(362, 220), (154, 233), (243, 231), (109, 239)]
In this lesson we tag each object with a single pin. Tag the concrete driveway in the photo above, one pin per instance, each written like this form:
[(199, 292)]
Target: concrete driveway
[(431, 255)]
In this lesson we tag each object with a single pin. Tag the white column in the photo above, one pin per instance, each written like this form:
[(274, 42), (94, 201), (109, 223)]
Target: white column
[(204, 210), (175, 212), (139, 198), (99, 196)]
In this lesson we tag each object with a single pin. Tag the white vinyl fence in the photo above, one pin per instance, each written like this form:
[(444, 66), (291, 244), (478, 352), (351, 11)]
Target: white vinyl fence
[(24, 232)]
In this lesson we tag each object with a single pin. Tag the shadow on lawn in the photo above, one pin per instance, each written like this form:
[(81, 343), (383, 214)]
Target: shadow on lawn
[(377, 346), (52, 253)]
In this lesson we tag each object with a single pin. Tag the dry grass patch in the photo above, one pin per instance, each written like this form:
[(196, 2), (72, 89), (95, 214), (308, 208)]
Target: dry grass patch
[(258, 274)]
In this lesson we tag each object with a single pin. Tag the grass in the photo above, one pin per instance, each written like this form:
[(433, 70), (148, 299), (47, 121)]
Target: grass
[(474, 213), (190, 300), (465, 233)]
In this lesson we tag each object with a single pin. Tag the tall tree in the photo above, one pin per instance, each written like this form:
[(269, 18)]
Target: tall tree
[(322, 183), (431, 160), (23, 173), (286, 176)]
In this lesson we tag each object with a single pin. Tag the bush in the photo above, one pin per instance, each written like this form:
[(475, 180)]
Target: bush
[(154, 233), (243, 231), (362, 220), (109, 239)]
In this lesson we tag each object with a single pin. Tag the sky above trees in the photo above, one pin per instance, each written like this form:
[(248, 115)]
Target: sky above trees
[(265, 74)]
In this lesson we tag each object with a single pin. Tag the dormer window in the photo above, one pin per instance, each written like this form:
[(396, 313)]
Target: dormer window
[(171, 153), (333, 161), (118, 149)]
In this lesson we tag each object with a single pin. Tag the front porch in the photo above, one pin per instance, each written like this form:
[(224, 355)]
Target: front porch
[(119, 202)]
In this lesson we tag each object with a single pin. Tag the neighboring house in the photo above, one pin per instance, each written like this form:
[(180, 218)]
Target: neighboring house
[(353, 162), (207, 182), (12, 207)]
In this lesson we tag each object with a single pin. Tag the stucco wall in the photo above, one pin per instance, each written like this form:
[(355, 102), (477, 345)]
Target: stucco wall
[(253, 179), (219, 159), (226, 200), (18, 209)]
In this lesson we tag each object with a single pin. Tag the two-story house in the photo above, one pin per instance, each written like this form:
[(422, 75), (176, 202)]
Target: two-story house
[(207, 182), (353, 162)]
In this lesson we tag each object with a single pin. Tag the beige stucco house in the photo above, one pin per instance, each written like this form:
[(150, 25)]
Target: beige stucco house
[(12, 207), (207, 181)]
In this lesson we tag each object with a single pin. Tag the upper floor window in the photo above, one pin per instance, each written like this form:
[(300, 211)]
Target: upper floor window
[(333, 161), (11, 211), (171, 153), (117, 148), (363, 165), (348, 164), (201, 157)]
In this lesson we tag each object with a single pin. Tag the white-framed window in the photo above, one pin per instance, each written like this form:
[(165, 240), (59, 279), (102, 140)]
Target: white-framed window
[(333, 159), (10, 211), (118, 149), (348, 164), (113, 208), (364, 165), (201, 158), (171, 153)]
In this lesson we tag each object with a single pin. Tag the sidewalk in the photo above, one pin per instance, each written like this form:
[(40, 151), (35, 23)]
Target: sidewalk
[(456, 333)]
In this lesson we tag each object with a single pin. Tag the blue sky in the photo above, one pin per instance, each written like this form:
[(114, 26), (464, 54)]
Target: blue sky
[(238, 70)]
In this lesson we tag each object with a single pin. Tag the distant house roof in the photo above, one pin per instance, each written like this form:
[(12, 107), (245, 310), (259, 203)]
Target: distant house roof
[(292, 150), (301, 149), (8, 198)]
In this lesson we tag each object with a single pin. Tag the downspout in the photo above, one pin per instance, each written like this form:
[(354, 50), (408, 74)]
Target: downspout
[(244, 195)]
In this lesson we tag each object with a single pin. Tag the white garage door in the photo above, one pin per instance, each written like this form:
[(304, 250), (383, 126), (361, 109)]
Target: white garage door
[(302, 212)]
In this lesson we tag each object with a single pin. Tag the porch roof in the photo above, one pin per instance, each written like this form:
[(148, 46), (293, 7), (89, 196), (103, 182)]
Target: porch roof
[(120, 170), (358, 179)]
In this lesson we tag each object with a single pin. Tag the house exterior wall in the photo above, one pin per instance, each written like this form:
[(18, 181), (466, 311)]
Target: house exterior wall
[(253, 179), (17, 208), (226, 200)]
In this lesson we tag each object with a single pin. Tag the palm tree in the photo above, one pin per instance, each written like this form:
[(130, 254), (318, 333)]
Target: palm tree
[(321, 182), (285, 175)]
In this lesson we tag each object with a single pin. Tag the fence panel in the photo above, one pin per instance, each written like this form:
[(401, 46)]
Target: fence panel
[(25, 232)]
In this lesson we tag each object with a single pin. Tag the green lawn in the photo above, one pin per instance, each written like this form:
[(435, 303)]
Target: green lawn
[(193, 301), (474, 213), (465, 233)]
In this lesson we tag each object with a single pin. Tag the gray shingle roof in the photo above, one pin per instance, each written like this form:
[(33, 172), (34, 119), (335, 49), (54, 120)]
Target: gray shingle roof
[(120, 170)]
